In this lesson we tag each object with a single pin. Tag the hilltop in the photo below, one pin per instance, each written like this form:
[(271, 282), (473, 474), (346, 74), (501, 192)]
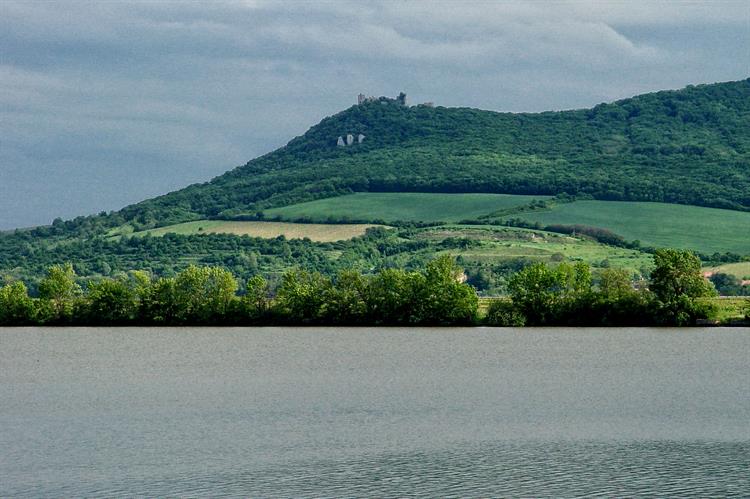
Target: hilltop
[(688, 146)]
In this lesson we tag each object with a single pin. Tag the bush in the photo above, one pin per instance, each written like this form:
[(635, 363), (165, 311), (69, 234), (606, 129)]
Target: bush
[(504, 313)]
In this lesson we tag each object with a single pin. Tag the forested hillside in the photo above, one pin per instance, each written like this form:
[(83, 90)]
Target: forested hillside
[(690, 146)]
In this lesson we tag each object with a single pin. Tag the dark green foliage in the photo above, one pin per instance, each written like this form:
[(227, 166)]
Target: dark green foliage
[(434, 295), (302, 297), (255, 301), (391, 297), (505, 314), (552, 296), (197, 295), (347, 299), (443, 298), (603, 236), (208, 296), (618, 303), (729, 285), (111, 302), (16, 308), (542, 295), (676, 282)]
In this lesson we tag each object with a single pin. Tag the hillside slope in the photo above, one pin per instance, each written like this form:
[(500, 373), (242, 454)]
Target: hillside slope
[(690, 146)]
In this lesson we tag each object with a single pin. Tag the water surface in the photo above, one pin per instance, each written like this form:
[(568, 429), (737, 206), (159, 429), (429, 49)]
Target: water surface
[(374, 412)]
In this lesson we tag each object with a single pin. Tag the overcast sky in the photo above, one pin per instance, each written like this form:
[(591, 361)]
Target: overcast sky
[(103, 104)]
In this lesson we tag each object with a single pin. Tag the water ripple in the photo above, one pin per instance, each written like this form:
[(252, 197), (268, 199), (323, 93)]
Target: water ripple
[(521, 469)]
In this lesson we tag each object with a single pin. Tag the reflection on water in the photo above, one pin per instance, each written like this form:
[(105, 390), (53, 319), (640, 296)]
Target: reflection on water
[(374, 412)]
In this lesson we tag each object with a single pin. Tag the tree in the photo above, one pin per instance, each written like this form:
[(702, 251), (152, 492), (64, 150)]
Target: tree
[(504, 313), (346, 299), (16, 308), (614, 284), (553, 296), (203, 294), (618, 303), (255, 301), (60, 290), (301, 297), (111, 301), (159, 303), (727, 284), (391, 297), (677, 282), (443, 297), (534, 291)]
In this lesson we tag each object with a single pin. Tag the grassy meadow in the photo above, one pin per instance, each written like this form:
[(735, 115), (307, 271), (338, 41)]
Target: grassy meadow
[(314, 232), (407, 206), (707, 230), (497, 244), (729, 309), (740, 270)]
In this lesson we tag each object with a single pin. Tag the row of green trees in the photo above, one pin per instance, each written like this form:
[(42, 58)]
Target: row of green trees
[(565, 295), (435, 295), (209, 296)]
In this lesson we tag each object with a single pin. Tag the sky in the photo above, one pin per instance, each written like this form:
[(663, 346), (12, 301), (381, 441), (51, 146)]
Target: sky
[(103, 104)]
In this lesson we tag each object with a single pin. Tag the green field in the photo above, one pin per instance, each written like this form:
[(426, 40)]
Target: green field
[(707, 230), (315, 232), (411, 206)]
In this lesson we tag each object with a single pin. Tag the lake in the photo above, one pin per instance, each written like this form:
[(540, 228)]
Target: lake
[(374, 412)]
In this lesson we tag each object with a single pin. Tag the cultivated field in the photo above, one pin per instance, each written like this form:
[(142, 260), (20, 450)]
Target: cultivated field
[(707, 230), (412, 206), (315, 232)]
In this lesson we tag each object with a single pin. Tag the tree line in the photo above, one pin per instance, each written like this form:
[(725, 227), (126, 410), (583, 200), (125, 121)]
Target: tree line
[(565, 295), (433, 295), (197, 295)]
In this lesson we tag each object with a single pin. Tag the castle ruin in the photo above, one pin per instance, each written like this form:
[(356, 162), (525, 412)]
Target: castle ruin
[(400, 99)]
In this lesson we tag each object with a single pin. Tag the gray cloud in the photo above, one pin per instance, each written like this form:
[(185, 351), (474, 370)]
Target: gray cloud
[(106, 103)]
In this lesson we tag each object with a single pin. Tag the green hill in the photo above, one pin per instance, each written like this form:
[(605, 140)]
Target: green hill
[(436, 164), (689, 146)]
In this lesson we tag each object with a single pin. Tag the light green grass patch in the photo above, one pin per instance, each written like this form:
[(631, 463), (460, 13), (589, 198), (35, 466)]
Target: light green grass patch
[(707, 230), (741, 270), (411, 206), (505, 243), (269, 230), (732, 308)]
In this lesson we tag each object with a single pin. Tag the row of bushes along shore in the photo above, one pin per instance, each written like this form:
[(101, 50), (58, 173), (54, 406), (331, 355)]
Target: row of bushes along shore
[(540, 295)]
